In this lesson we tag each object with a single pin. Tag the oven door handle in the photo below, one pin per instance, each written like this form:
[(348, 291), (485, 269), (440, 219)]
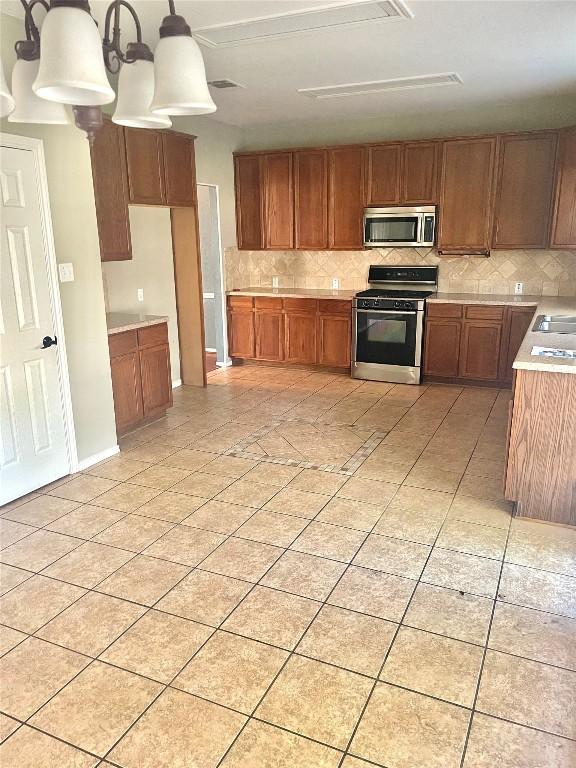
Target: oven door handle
[(386, 311)]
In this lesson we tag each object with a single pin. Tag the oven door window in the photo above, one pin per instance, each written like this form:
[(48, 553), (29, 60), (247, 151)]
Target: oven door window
[(392, 229), (388, 338)]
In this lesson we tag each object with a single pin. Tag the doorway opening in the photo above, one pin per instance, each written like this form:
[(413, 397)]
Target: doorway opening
[(216, 340)]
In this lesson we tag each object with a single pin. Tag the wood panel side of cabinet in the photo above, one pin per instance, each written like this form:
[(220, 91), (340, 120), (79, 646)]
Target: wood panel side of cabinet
[(110, 181), (564, 218), (334, 340), (127, 390), (249, 202), (300, 344), (442, 346), (269, 335), (466, 195), (145, 159), (179, 169), (278, 201), (384, 171), (345, 197), (524, 191), (311, 199), (156, 379), (420, 172), (480, 350)]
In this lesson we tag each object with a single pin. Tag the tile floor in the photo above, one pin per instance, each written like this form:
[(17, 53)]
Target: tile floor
[(290, 570)]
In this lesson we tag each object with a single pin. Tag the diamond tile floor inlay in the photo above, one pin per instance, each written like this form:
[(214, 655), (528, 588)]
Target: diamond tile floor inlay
[(321, 571)]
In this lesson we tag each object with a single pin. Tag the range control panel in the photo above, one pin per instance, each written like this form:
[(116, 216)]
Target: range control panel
[(399, 305)]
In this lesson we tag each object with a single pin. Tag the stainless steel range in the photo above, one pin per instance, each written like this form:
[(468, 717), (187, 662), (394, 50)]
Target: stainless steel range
[(388, 323)]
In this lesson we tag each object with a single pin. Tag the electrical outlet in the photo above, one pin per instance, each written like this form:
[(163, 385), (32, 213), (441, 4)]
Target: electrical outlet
[(519, 288), (335, 283), (140, 294), (275, 281), (66, 273)]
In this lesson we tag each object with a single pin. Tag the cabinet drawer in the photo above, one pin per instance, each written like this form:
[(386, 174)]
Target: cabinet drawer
[(152, 335), (267, 302), (444, 310), (300, 305), (240, 302), (334, 307), (122, 343), (478, 312)]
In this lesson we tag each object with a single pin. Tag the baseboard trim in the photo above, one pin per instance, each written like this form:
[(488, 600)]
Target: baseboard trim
[(96, 458), (176, 383)]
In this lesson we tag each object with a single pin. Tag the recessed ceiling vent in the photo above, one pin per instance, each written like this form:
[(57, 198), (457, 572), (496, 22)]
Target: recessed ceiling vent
[(298, 22), (381, 86), (221, 84)]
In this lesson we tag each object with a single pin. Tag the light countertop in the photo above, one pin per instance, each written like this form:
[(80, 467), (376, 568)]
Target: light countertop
[(290, 293), (117, 322)]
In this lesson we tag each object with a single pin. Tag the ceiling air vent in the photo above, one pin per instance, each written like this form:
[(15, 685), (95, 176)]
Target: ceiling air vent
[(221, 84), (298, 22), (381, 86)]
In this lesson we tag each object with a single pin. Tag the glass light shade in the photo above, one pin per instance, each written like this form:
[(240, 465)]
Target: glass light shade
[(71, 62), (6, 99), (180, 78), (135, 91), (29, 108)]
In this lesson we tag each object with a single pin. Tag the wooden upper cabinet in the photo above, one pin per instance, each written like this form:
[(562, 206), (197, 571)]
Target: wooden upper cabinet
[(345, 197), (466, 195), (564, 220), (524, 191), (384, 173), (419, 180), (145, 157), (110, 181), (311, 199), (179, 169), (278, 201), (248, 181)]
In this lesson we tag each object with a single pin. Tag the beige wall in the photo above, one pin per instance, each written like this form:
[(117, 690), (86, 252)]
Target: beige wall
[(152, 269), (76, 239), (543, 272), (545, 112)]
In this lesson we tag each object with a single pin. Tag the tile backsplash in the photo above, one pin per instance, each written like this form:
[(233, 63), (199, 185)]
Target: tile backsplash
[(552, 273)]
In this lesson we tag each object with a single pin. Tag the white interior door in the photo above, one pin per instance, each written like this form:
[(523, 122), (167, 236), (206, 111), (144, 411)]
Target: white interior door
[(34, 447)]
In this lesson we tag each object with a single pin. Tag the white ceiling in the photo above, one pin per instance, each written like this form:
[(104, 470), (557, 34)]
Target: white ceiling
[(503, 50)]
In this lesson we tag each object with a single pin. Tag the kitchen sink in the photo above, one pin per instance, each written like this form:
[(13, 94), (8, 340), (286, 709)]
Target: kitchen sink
[(555, 324)]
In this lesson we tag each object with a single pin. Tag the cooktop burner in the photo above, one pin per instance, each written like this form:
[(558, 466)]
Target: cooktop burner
[(393, 294)]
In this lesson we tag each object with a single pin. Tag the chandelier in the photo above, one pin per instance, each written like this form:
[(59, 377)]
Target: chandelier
[(64, 64)]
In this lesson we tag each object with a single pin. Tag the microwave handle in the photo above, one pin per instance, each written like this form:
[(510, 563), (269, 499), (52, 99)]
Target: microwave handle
[(420, 235)]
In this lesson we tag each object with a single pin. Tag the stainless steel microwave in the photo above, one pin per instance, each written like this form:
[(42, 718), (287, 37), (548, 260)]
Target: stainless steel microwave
[(399, 226)]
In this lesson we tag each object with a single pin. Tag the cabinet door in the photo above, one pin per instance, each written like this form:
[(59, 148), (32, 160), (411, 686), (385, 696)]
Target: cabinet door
[(269, 335), (420, 173), (564, 222), (442, 347), (241, 333), (156, 379), (145, 166), (335, 340), (300, 337), (466, 195), (110, 180), (524, 191), (278, 201), (311, 199), (346, 197), (384, 172), (480, 350), (248, 181), (516, 325), (127, 390), (179, 169)]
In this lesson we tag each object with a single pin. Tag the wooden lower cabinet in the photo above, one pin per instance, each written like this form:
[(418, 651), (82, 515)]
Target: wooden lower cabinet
[(293, 330), (141, 375), (473, 343)]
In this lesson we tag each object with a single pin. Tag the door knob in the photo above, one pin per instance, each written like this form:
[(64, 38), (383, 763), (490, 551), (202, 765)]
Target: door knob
[(47, 341)]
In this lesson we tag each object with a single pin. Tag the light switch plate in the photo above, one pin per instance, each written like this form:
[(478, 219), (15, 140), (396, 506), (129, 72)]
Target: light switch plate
[(335, 283), (66, 273), (518, 288), (275, 281), (140, 294)]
